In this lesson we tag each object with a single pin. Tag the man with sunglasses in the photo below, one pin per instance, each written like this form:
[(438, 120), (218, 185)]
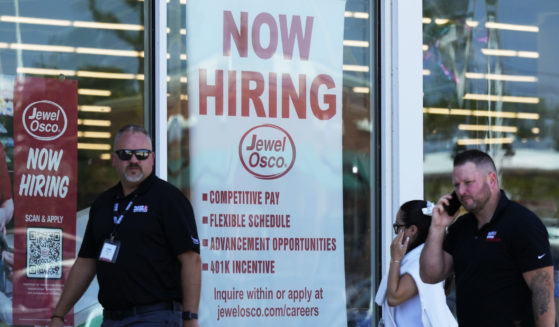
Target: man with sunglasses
[(141, 242)]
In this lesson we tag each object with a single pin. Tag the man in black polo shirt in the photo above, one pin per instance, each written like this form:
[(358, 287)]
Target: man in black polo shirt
[(141, 242), (499, 252)]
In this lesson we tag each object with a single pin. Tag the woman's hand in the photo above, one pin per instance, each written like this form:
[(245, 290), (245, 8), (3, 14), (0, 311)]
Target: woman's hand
[(398, 248), (399, 288)]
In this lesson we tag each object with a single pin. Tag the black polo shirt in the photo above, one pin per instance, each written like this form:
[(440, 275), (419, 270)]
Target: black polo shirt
[(157, 228), (489, 262)]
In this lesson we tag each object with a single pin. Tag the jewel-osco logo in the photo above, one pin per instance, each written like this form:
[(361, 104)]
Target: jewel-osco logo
[(44, 120), (267, 151)]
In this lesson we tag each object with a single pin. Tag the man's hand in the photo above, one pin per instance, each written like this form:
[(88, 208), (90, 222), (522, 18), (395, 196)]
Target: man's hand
[(78, 280), (440, 218), (190, 323), (434, 263), (56, 322), (191, 274)]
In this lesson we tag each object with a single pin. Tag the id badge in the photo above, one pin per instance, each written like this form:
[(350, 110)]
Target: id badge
[(109, 252)]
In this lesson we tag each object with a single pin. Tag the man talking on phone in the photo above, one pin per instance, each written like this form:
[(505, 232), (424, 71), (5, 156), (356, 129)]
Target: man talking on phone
[(499, 251)]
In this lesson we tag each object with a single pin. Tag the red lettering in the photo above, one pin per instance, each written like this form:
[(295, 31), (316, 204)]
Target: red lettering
[(291, 33), (261, 19), (329, 99), (288, 93), (249, 94), (230, 31), (232, 93), (296, 32), (252, 86), (272, 95), (206, 91)]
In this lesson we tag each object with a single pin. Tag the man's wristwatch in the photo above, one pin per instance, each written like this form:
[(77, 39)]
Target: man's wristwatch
[(187, 315)]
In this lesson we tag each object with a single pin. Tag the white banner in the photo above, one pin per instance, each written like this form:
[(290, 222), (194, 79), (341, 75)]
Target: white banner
[(265, 110)]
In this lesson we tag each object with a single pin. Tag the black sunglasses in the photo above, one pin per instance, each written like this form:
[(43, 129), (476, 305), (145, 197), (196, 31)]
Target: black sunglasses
[(397, 226), (126, 154)]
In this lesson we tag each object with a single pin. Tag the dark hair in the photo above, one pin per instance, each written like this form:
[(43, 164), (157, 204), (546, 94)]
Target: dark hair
[(412, 214), (134, 129), (479, 158)]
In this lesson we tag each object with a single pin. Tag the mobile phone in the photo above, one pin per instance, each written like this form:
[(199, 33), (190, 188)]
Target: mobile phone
[(453, 205)]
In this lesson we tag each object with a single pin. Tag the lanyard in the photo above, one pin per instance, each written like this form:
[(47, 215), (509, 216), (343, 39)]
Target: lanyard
[(117, 219)]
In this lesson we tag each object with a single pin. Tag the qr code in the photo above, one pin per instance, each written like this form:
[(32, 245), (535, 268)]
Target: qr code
[(44, 253)]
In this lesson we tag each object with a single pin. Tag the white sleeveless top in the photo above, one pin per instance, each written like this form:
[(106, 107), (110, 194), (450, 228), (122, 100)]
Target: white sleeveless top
[(427, 309), (408, 313)]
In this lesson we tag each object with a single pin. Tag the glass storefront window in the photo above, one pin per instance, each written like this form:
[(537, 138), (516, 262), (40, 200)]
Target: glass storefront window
[(102, 45), (359, 110), (99, 44), (489, 83)]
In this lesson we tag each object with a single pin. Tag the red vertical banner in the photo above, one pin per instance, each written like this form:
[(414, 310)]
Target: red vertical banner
[(45, 190)]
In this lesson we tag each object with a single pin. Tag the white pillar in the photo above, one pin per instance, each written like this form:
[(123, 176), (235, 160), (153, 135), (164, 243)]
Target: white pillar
[(401, 111), (160, 79)]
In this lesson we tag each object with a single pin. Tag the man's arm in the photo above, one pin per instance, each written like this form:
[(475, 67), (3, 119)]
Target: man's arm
[(76, 284), (191, 279), (435, 264), (540, 282)]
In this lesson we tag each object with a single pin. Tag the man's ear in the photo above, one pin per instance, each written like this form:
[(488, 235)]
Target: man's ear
[(493, 180)]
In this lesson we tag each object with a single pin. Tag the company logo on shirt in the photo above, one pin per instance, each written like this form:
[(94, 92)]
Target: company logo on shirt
[(142, 208), (492, 237)]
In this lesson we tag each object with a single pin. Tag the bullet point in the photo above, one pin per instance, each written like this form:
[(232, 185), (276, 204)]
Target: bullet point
[(205, 242), (204, 196), (204, 267), (205, 220)]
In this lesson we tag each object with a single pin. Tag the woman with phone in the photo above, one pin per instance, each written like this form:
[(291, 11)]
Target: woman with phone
[(406, 300)]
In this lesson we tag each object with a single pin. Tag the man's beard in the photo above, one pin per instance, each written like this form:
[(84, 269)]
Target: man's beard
[(136, 178), (479, 202)]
